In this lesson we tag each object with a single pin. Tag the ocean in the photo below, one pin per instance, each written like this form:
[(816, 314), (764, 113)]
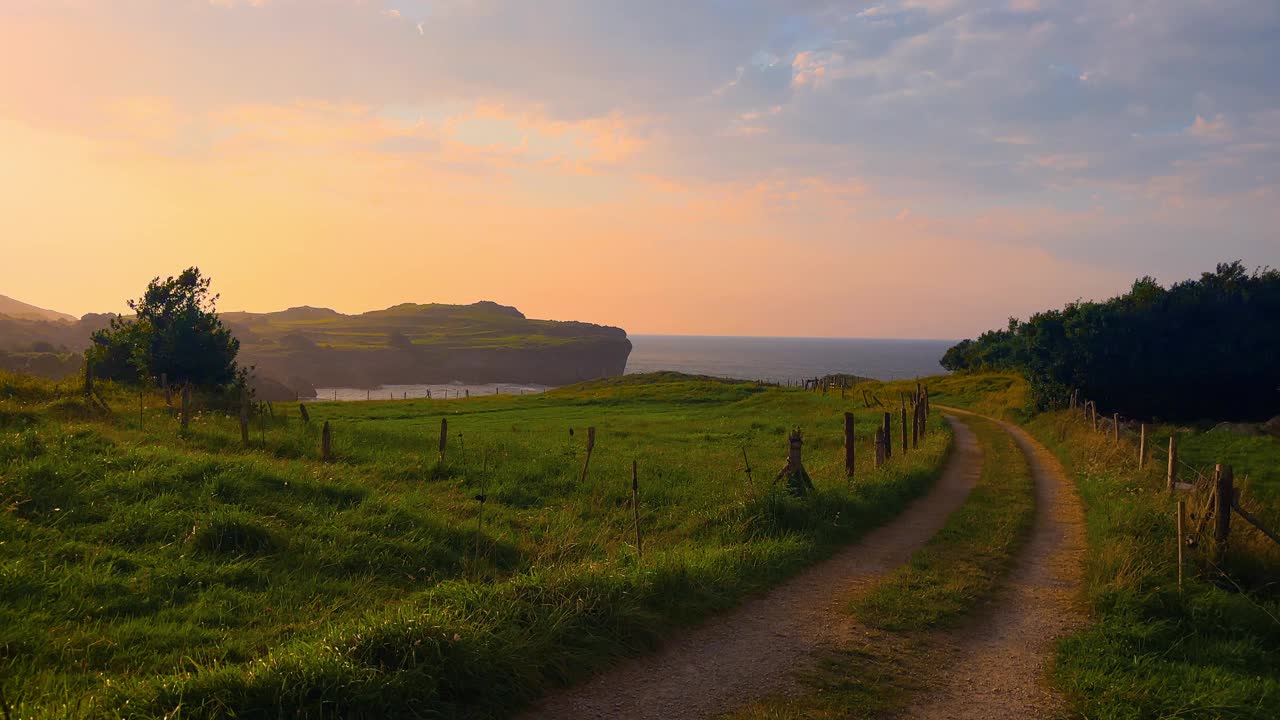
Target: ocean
[(746, 358), (786, 359)]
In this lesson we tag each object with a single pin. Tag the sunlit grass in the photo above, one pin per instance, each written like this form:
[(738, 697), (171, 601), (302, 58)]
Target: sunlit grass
[(145, 569)]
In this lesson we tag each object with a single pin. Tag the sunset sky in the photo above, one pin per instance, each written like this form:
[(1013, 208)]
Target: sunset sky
[(912, 168)]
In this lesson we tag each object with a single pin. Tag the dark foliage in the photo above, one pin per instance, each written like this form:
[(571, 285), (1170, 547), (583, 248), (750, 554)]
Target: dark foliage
[(176, 332), (1205, 348)]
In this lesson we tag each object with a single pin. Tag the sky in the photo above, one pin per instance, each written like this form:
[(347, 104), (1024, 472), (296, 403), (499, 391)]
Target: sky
[(906, 168)]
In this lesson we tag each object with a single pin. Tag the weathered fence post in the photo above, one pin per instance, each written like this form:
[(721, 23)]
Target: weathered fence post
[(244, 416), (924, 412), (444, 436), (326, 443), (1142, 446), (186, 407), (1171, 478), (591, 446), (915, 426), (904, 428), (888, 436), (1115, 426), (635, 509), (848, 444), (879, 446), (1225, 495), (468, 393), (306, 416), (797, 478), (1181, 512)]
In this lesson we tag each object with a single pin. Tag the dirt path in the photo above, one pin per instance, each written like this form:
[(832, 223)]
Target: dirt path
[(998, 662), (754, 649)]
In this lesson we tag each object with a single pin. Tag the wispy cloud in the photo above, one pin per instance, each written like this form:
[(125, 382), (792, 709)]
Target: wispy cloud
[(1088, 121)]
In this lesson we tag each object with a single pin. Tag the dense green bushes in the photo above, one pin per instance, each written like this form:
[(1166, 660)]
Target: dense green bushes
[(1200, 348)]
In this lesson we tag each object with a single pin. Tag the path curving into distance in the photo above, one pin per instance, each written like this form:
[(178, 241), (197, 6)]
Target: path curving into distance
[(754, 649), (999, 660)]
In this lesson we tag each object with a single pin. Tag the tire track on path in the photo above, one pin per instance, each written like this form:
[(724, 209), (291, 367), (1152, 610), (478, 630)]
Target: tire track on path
[(999, 661), (755, 649)]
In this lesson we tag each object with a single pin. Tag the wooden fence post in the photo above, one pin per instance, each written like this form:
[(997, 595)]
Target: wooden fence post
[(1115, 426), (924, 413), (1225, 495), (635, 509), (306, 416), (1172, 477), (888, 436), (244, 416), (915, 426), (1142, 446), (591, 446), (326, 443), (879, 446), (186, 407), (444, 436), (848, 444), (904, 428)]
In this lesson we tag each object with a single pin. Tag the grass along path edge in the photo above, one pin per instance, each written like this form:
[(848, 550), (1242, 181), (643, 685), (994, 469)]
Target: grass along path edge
[(877, 664), (1211, 650)]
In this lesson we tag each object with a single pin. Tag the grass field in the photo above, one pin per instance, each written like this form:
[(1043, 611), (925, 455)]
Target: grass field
[(145, 572)]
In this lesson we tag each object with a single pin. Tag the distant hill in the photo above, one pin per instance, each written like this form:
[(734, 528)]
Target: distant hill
[(410, 343), (305, 347), (19, 309)]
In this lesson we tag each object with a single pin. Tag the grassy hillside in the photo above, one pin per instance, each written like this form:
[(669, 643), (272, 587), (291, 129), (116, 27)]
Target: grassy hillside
[(144, 570), (19, 309), (443, 327)]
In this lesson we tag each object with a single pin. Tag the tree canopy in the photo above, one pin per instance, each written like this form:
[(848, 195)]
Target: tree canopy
[(1202, 348), (175, 332)]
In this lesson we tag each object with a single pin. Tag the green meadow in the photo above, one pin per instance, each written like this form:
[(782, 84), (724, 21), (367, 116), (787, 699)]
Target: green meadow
[(151, 572)]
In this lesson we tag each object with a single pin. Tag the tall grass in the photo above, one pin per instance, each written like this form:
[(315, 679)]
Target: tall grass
[(143, 569), (1211, 650)]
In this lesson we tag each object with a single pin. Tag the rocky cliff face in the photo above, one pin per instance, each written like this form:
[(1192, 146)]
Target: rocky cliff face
[(410, 344), (303, 348), (305, 369)]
